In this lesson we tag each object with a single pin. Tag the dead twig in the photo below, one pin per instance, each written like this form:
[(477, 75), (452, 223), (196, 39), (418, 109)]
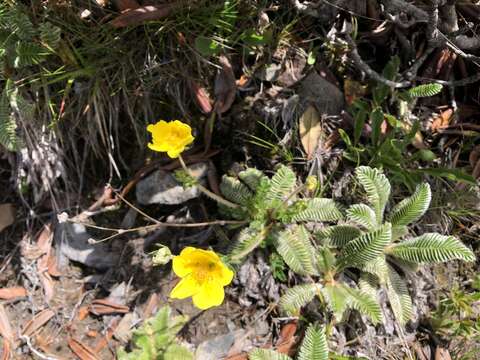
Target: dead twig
[(363, 66), (35, 351)]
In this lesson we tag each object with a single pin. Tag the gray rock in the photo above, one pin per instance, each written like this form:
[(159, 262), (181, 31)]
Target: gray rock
[(161, 187), (217, 348), (74, 244), (328, 99)]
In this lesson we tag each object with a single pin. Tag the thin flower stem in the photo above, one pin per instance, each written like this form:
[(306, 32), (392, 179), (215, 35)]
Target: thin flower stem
[(205, 190), (137, 209), (119, 232)]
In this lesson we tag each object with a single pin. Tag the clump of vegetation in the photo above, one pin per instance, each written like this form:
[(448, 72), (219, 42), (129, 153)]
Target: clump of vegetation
[(377, 249), (392, 133), (22, 45), (314, 347), (456, 319), (156, 339)]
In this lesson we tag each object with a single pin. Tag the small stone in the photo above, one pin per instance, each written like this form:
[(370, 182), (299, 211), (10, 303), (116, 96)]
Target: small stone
[(161, 187), (216, 348), (326, 96)]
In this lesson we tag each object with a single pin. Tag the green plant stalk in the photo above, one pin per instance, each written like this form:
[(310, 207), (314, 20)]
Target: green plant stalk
[(205, 190)]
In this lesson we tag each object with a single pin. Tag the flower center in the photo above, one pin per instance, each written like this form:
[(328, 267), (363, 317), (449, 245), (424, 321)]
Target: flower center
[(175, 135), (203, 271)]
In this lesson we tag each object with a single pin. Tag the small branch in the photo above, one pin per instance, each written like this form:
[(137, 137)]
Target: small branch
[(206, 191), (35, 351), (118, 232), (363, 66), (136, 209), (463, 82)]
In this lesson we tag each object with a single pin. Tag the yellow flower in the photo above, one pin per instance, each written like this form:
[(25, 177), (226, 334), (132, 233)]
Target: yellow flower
[(311, 182), (170, 137), (203, 277)]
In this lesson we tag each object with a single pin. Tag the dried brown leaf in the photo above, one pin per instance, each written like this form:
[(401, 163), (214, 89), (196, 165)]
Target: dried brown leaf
[(142, 14), (123, 331), (225, 86), (5, 327), (12, 293), (48, 285), (7, 215), (92, 333), (83, 312), (44, 239), (310, 130), (52, 266), (6, 351), (7, 333), (442, 354), (151, 307), (83, 351), (103, 342), (201, 97), (243, 81), (287, 338), (287, 332), (442, 120), (37, 322), (105, 306)]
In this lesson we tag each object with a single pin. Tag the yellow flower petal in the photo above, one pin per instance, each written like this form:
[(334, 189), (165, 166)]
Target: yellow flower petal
[(188, 286), (180, 263), (157, 147), (211, 294), (174, 153), (226, 275), (209, 254), (187, 251), (180, 266)]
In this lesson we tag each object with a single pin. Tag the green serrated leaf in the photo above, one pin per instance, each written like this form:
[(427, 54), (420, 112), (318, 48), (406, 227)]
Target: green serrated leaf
[(398, 296), (297, 297), (28, 54), (377, 267), (431, 248), (314, 345), (336, 298), (368, 284), (363, 215), (296, 249), (247, 240), (235, 191), (425, 90), (282, 184), (377, 188), (8, 125), (251, 177), (412, 208), (325, 260), (365, 304), (266, 354), (338, 235), (366, 247), (319, 209), (50, 35)]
